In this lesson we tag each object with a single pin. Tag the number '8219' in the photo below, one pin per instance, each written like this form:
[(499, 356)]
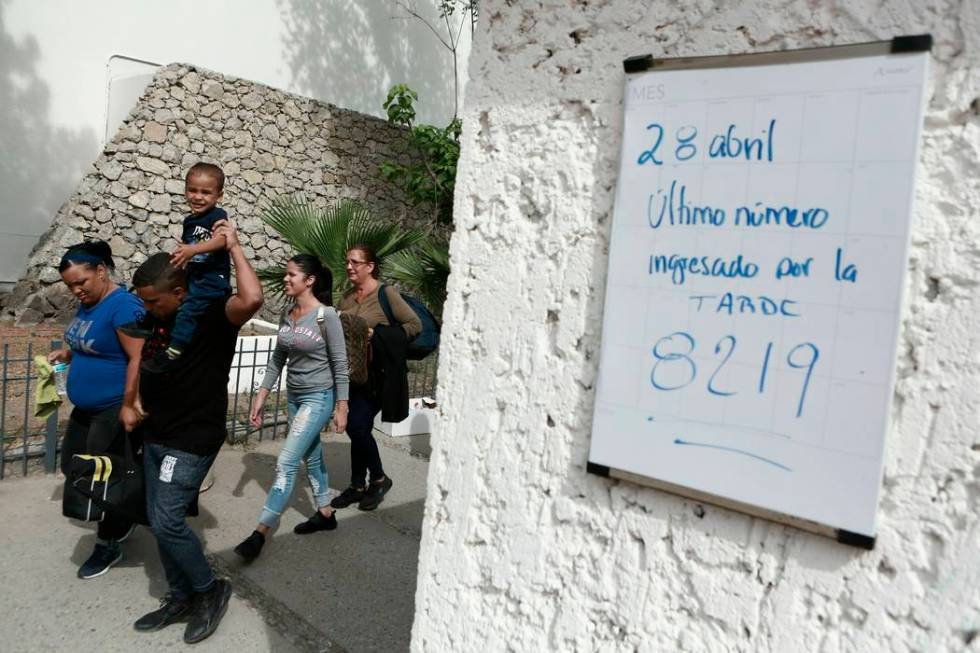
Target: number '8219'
[(676, 351)]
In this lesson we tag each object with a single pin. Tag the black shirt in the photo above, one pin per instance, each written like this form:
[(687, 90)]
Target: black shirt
[(198, 229), (187, 403)]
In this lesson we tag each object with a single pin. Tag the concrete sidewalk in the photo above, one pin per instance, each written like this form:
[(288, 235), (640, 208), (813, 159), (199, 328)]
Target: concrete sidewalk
[(352, 589)]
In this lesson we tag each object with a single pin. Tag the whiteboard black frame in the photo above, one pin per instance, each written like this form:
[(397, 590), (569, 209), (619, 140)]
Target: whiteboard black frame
[(645, 63)]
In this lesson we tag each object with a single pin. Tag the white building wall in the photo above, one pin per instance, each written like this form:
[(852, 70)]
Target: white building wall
[(522, 549), (54, 74)]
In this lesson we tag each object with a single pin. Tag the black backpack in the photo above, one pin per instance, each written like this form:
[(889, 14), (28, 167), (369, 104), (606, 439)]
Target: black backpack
[(427, 341)]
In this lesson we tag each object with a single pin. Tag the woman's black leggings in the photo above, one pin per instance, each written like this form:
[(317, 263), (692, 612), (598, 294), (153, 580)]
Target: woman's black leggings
[(364, 455), (97, 432)]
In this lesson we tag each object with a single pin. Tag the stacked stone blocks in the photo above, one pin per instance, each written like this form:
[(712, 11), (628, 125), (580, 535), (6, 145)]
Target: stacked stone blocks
[(268, 142)]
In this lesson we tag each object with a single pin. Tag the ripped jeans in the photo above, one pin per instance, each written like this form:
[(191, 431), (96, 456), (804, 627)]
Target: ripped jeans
[(308, 414)]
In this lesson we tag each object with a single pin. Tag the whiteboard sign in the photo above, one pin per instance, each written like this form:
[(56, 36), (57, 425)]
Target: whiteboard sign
[(756, 267)]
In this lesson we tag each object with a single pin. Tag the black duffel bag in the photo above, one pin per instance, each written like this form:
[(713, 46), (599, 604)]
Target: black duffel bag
[(100, 483)]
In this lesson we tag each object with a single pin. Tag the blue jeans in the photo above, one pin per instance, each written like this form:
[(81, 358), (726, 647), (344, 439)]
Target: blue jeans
[(308, 414), (203, 290), (173, 479)]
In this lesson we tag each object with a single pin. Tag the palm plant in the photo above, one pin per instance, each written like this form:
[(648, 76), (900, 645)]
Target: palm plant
[(424, 270), (416, 261)]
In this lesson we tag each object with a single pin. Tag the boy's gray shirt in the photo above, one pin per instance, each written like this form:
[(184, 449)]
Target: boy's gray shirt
[(313, 365)]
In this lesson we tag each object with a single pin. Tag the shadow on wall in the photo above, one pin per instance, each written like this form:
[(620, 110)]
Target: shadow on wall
[(350, 53), (40, 163)]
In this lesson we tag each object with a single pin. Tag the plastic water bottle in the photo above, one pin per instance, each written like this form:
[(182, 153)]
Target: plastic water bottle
[(61, 378)]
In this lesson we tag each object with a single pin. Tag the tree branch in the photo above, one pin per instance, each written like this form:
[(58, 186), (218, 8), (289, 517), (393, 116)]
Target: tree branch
[(462, 23), (449, 30), (425, 22)]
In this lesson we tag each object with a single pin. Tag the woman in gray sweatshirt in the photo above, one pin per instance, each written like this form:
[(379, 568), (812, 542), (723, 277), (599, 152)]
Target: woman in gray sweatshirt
[(311, 339)]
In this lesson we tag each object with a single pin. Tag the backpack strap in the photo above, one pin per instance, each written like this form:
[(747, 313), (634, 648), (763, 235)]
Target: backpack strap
[(320, 321), (385, 305)]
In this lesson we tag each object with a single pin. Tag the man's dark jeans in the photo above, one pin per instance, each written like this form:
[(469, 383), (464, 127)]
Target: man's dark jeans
[(173, 479)]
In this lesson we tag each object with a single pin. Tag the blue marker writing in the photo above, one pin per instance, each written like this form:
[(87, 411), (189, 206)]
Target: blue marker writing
[(729, 146), (678, 266), (742, 452), (674, 207)]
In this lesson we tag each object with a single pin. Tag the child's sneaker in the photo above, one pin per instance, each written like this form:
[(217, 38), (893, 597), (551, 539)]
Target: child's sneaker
[(139, 329), (162, 362)]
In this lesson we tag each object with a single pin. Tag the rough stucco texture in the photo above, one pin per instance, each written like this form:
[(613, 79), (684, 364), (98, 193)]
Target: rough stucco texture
[(522, 550)]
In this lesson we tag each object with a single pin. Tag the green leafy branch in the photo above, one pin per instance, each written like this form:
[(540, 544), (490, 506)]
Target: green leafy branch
[(433, 179)]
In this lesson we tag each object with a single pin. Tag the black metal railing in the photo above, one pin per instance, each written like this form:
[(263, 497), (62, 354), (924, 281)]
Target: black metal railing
[(27, 443)]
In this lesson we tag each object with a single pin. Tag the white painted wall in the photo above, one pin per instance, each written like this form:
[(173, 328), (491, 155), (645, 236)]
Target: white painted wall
[(521, 549), (54, 57)]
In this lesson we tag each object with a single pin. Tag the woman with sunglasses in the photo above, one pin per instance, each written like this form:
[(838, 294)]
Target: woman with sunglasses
[(363, 271)]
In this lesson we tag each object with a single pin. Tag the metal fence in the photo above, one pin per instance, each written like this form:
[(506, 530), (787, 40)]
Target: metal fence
[(247, 373), (25, 441), (28, 444)]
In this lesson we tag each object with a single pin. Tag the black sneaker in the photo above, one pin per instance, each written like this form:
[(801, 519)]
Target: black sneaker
[(101, 560), (251, 546), (209, 608), (317, 523), (375, 494), (171, 610), (351, 495)]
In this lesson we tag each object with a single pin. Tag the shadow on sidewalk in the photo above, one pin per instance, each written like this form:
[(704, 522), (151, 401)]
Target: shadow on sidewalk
[(356, 584), (352, 588), (119, 597)]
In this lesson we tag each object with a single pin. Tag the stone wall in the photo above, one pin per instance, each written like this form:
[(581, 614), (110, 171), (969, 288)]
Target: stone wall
[(522, 549), (268, 142)]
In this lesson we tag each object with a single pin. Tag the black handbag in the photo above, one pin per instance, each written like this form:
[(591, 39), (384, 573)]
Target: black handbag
[(97, 484)]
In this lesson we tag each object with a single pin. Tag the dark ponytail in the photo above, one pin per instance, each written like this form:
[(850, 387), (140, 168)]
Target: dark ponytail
[(323, 278), (91, 253)]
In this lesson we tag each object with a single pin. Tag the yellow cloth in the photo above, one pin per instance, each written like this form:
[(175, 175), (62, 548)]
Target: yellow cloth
[(46, 398)]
